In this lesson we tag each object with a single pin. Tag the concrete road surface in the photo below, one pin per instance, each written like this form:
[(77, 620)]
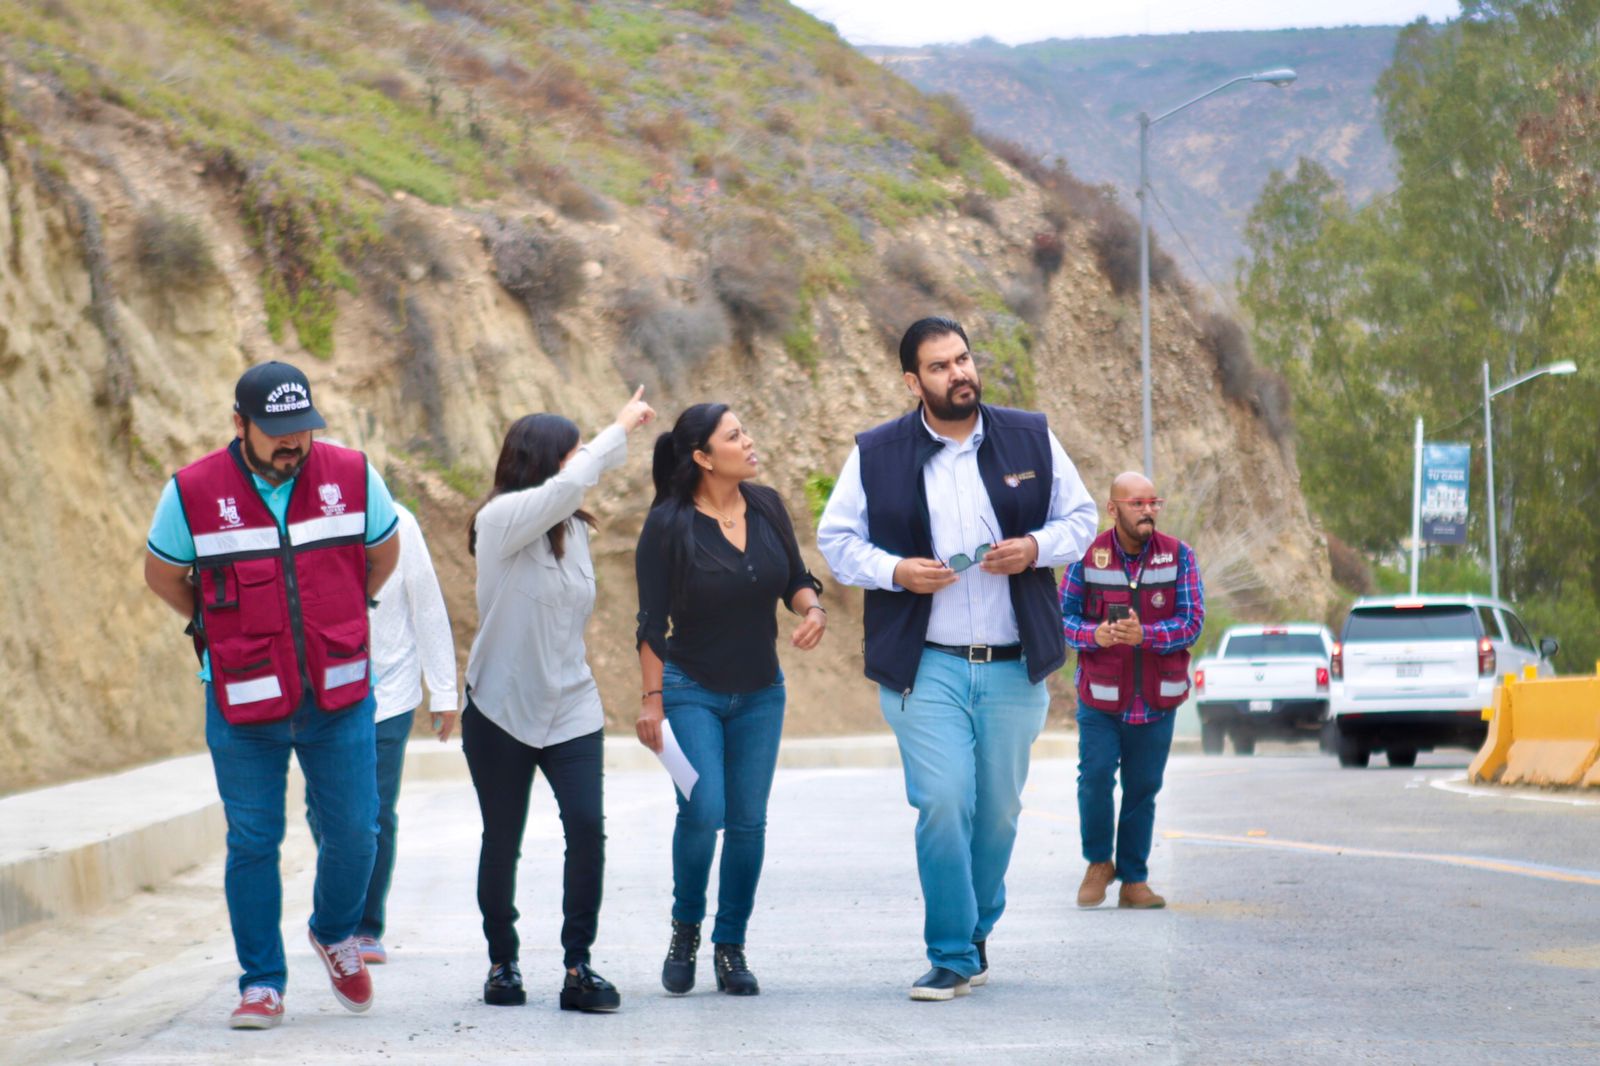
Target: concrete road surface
[(1319, 916)]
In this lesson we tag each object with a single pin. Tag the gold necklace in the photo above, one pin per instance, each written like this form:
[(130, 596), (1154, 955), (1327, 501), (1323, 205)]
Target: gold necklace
[(726, 521)]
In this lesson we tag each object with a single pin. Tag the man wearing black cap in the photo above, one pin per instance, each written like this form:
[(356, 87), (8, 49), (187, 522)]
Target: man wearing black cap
[(272, 548)]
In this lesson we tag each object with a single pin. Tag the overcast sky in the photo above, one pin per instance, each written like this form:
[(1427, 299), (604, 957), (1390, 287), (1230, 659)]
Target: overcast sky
[(910, 22)]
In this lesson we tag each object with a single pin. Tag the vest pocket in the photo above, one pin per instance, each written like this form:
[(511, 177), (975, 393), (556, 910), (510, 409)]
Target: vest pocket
[(1173, 685), (338, 663), (247, 682), (260, 600), (1102, 682)]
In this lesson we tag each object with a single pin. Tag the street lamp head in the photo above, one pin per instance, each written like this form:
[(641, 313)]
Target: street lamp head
[(1280, 77), (1566, 366)]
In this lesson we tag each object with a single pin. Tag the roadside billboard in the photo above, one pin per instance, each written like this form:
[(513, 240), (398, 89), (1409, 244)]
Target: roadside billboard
[(1444, 493)]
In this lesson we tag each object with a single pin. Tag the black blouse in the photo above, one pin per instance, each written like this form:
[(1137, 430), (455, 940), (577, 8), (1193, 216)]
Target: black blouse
[(724, 629)]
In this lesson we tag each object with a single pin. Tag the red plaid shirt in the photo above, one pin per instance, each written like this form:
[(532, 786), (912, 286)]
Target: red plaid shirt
[(1171, 634)]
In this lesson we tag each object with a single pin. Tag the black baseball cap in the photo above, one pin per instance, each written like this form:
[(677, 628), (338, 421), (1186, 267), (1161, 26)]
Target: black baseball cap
[(277, 398)]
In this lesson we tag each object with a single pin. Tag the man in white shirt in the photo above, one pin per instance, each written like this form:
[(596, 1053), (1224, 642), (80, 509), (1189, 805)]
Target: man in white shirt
[(952, 518), (410, 640)]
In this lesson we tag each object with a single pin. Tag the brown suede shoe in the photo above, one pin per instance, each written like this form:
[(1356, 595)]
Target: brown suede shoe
[(1096, 879), (1139, 897)]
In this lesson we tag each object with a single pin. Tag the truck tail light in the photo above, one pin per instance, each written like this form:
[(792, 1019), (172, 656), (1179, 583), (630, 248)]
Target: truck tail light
[(1336, 662), (1322, 677), (1199, 681), (1485, 658)]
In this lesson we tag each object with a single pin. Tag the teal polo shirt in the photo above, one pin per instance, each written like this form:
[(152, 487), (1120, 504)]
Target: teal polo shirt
[(171, 541)]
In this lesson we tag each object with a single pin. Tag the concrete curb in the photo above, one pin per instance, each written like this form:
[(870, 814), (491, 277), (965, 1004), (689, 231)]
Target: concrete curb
[(70, 849)]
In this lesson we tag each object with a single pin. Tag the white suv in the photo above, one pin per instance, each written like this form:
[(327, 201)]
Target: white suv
[(1412, 673)]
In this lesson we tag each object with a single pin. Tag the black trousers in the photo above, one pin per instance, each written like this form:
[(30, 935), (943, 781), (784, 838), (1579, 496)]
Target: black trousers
[(502, 770)]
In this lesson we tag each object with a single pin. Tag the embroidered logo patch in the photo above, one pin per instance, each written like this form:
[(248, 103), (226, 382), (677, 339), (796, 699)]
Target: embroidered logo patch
[(1158, 599), (228, 511), (1102, 558), (1161, 560), (332, 499), (1013, 480)]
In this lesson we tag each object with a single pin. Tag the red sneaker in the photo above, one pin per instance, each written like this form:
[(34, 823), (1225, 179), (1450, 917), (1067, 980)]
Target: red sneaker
[(261, 1008), (351, 982)]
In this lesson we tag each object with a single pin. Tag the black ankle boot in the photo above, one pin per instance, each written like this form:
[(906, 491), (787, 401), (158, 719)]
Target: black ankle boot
[(677, 973), (504, 986), (733, 976), (588, 991)]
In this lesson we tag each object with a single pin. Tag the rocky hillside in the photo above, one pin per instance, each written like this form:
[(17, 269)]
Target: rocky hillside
[(1080, 100), (453, 213)]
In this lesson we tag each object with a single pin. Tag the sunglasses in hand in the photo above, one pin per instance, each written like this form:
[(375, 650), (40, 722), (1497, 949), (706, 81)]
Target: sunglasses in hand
[(961, 561)]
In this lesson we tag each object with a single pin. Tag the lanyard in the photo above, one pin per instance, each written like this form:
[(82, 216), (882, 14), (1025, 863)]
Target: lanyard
[(1144, 559)]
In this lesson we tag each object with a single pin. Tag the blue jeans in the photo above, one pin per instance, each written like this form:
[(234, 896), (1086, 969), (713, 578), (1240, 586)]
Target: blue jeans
[(731, 739), (965, 734), (338, 756), (1104, 741), (393, 735)]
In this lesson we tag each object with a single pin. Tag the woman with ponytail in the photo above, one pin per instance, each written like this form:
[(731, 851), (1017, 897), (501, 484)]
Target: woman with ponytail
[(716, 554), (531, 699)]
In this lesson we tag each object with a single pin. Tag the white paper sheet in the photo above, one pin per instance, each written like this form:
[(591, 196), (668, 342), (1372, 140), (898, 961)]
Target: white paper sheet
[(676, 762)]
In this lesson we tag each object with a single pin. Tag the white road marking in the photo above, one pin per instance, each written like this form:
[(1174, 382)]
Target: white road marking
[(1458, 784)]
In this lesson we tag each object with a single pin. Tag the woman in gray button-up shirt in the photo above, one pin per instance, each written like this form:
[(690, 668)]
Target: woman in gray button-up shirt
[(532, 703)]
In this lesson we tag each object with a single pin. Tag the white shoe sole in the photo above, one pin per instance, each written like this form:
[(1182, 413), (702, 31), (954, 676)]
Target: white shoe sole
[(327, 964), (934, 995), (978, 979), (254, 1021)]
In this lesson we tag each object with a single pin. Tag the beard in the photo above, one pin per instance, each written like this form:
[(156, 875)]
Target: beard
[(1143, 530), (948, 410), (265, 467)]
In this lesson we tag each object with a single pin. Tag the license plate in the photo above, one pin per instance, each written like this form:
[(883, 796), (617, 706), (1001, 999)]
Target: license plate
[(1408, 670), (1261, 705)]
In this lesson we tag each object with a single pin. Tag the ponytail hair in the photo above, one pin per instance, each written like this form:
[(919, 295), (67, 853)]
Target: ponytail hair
[(673, 468), (677, 476)]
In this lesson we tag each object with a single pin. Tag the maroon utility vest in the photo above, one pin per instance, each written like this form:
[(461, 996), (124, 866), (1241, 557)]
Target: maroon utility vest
[(1109, 678), (280, 611)]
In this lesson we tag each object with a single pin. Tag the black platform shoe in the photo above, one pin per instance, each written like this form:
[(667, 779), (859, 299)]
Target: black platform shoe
[(677, 973), (733, 976), (504, 986), (982, 976), (587, 990)]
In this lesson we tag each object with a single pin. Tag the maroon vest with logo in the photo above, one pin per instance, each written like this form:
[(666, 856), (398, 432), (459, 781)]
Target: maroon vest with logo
[(1109, 678), (279, 612)]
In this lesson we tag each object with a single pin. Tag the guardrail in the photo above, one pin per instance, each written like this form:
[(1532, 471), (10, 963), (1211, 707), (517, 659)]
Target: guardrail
[(1542, 732)]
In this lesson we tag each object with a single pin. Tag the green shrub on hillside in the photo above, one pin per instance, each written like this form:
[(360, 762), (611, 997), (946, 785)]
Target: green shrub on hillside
[(754, 269), (543, 270), (171, 249)]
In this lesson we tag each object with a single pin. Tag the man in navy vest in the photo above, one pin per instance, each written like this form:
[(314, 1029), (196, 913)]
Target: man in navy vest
[(951, 517), (272, 548), (1132, 607)]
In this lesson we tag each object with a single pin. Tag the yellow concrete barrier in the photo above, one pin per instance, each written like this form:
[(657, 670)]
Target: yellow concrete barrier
[(1543, 732), (1490, 762)]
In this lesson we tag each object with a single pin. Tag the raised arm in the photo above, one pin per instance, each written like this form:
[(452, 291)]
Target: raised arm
[(523, 516)]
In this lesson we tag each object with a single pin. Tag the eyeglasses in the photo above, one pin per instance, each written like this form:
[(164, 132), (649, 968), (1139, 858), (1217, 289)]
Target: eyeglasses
[(1143, 503), (962, 561)]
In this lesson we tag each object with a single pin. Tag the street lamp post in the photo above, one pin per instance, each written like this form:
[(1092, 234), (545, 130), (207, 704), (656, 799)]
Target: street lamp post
[(1566, 367), (1280, 77)]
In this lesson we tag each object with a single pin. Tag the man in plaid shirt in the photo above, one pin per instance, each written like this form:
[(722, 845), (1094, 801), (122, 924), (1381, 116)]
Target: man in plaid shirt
[(1132, 607)]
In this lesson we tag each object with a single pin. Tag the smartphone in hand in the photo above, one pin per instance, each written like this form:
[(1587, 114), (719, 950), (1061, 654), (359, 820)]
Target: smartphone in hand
[(1117, 612)]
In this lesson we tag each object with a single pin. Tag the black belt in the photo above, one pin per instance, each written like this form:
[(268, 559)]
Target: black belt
[(980, 653)]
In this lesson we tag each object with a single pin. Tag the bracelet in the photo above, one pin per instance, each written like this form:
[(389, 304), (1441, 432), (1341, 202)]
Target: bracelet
[(647, 695), (817, 607)]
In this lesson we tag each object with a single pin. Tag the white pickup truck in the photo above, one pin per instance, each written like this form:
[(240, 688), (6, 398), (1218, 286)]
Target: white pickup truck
[(1263, 681)]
